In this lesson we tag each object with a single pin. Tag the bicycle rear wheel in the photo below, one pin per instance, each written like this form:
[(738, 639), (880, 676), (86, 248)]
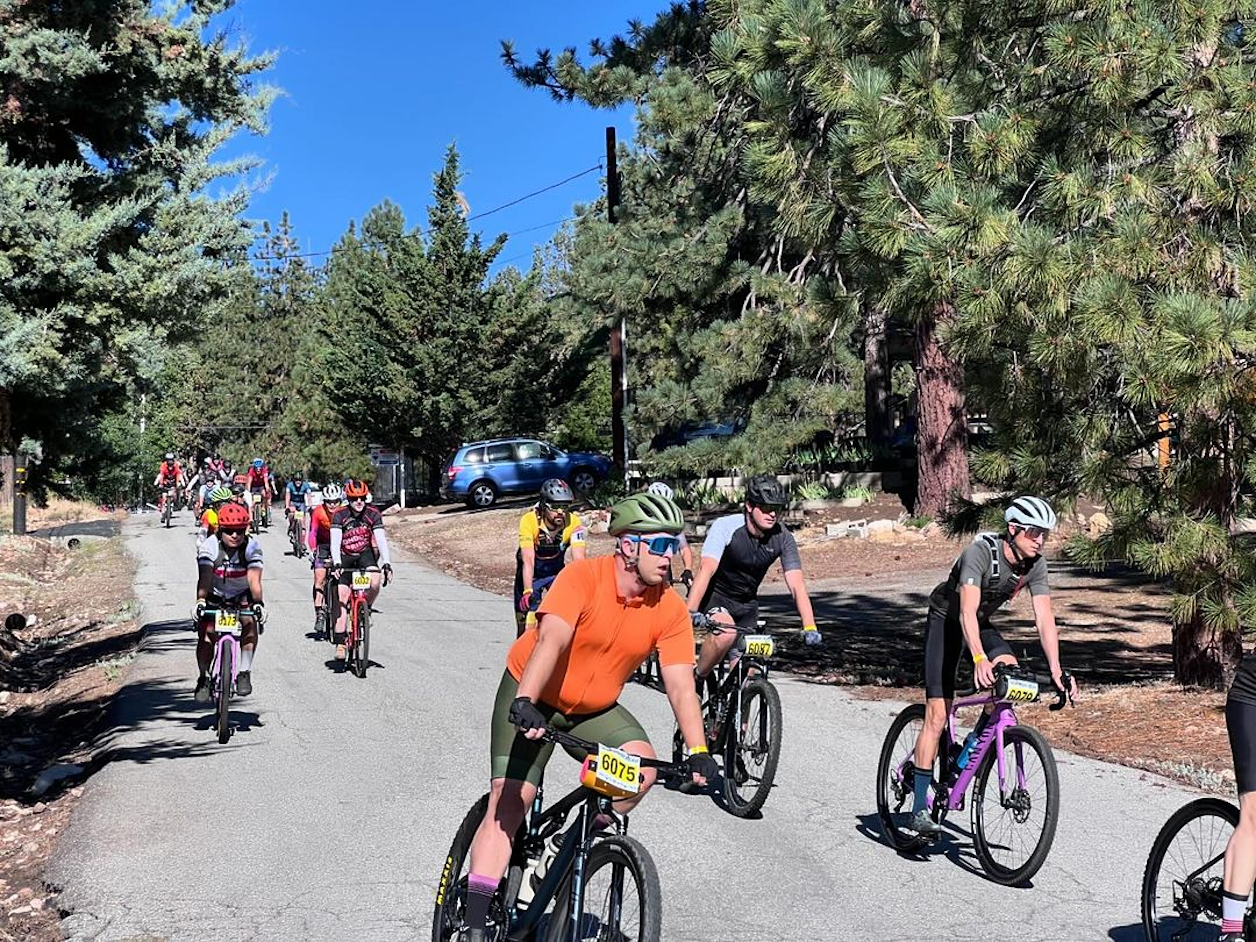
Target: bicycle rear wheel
[(752, 752), (895, 777), (1013, 831), (451, 891), (165, 513), (226, 666), (1182, 880), (622, 896), (362, 649)]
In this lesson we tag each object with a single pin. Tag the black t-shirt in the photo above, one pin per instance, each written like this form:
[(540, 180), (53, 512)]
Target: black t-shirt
[(1244, 687), (743, 559), (975, 566)]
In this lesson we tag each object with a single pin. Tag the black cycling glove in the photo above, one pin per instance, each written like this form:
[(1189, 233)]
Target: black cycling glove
[(702, 763), (525, 715)]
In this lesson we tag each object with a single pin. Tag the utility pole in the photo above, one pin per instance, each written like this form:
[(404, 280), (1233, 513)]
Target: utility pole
[(19, 495), (619, 371)]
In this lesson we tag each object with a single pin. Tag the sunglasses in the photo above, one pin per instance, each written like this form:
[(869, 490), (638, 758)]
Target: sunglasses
[(1035, 533), (658, 545), (233, 531), (770, 508)]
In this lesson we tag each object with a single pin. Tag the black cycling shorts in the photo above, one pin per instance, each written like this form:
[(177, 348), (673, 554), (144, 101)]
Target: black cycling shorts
[(364, 560), (1240, 723), (745, 614), (944, 643)]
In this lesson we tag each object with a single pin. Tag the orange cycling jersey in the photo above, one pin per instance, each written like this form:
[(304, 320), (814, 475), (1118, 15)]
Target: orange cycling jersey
[(209, 520), (612, 637), (320, 526)]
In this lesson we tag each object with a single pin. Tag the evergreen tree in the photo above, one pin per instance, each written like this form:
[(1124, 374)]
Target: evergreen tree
[(107, 239)]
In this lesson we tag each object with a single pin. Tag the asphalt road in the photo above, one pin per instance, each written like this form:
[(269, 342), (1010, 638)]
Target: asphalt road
[(328, 815)]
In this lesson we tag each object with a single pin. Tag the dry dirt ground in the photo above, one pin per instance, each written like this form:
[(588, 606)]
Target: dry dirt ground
[(870, 603), (56, 678)]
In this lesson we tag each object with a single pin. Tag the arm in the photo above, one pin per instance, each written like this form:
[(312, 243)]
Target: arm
[(969, 601), (336, 535), (578, 551), (686, 556), (802, 601), (381, 542), (553, 639), (255, 584), (528, 555), (701, 582), (678, 682), (204, 580)]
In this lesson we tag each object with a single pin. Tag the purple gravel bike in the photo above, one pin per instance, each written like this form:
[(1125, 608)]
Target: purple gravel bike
[(225, 626), (1016, 796)]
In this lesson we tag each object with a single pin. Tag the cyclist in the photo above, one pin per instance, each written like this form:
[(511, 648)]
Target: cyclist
[(601, 619), (169, 477), (230, 567), (357, 542), (319, 541), (258, 479), (1240, 852), (209, 518), (199, 484), (660, 489), (736, 555), (295, 493), (546, 531), (987, 575)]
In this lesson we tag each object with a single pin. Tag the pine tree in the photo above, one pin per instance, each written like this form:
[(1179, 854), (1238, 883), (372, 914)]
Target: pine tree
[(107, 238)]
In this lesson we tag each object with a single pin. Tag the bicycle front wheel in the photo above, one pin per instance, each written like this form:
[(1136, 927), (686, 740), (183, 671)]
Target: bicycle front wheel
[(1014, 818), (226, 667), (362, 648), (1182, 881), (622, 896), (752, 752)]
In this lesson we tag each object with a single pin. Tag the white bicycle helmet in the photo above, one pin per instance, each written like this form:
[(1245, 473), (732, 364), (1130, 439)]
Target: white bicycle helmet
[(332, 493), (659, 489), (1031, 512)]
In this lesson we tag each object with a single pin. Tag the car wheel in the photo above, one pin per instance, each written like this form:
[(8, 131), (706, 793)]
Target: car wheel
[(482, 494), (583, 480)]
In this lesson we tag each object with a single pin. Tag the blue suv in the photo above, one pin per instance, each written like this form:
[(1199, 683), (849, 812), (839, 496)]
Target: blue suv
[(480, 472)]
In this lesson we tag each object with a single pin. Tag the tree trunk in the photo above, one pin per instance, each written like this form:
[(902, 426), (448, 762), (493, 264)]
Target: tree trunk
[(941, 425), (8, 460), (1203, 656), (877, 382)]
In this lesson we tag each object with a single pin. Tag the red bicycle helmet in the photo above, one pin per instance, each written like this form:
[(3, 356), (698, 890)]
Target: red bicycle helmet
[(356, 489), (233, 516)]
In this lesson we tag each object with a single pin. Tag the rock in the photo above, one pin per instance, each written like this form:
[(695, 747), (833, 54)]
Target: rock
[(37, 904), (847, 529), (39, 807), (1099, 524), (596, 526), (879, 526), (931, 529), (899, 528), (882, 536), (53, 774), (20, 911)]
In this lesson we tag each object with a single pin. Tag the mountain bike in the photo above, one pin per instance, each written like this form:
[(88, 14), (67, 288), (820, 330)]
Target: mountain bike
[(167, 506), (1014, 824), (255, 512), (1182, 880), (743, 719), (225, 634), (296, 532), (603, 883)]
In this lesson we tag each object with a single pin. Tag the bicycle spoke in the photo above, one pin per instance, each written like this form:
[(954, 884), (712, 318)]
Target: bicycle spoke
[(1184, 888)]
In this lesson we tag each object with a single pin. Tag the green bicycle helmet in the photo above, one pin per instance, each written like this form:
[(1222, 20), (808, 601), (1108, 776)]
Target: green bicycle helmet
[(219, 494), (646, 513)]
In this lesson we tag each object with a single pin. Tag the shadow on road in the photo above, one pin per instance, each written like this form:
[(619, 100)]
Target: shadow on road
[(955, 844)]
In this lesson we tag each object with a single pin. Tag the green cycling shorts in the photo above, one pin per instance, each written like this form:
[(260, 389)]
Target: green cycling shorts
[(524, 760)]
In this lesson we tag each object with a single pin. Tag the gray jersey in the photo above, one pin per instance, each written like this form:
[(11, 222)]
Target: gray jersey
[(743, 559), (976, 566), (231, 578)]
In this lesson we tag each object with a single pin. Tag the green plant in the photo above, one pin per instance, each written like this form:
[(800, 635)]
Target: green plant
[(919, 522), (813, 490), (858, 491), (698, 494), (606, 493)]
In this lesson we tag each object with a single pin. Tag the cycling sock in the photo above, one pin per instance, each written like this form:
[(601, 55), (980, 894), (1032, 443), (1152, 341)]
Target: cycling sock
[(1233, 907), (246, 660), (920, 790), (480, 890)]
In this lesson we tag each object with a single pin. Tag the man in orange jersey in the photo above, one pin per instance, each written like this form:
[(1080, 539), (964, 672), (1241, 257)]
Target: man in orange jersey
[(601, 619)]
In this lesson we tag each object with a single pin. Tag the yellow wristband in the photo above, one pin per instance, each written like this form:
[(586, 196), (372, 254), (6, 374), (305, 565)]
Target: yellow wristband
[(808, 627), (978, 658), (698, 750)]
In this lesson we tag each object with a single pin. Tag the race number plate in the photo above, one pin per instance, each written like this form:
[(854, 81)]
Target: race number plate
[(227, 623), (361, 581), (619, 770), (1021, 691), (759, 645)]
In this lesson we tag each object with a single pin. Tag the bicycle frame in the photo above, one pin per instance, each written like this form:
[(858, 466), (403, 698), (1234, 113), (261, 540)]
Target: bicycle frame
[(224, 638), (357, 598), (1002, 717)]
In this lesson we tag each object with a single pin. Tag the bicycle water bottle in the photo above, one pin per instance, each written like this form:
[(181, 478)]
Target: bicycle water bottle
[(966, 753)]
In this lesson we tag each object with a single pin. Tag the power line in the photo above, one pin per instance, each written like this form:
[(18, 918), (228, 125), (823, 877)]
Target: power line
[(487, 212)]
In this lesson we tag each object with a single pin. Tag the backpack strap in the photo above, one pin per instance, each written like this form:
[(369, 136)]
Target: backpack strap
[(992, 543)]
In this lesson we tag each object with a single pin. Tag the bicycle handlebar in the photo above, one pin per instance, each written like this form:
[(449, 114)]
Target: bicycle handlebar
[(1045, 683), (665, 769)]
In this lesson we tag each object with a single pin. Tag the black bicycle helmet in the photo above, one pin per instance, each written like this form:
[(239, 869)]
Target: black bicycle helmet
[(766, 489), (646, 513), (556, 491)]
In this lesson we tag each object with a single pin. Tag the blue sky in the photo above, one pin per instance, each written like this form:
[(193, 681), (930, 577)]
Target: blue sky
[(375, 91)]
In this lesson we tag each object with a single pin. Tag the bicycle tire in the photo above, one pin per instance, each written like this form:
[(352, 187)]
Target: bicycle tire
[(982, 845), (451, 890), (736, 773), (1204, 889), (226, 666), (623, 855), (165, 514), (255, 519), (892, 791), (362, 649)]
